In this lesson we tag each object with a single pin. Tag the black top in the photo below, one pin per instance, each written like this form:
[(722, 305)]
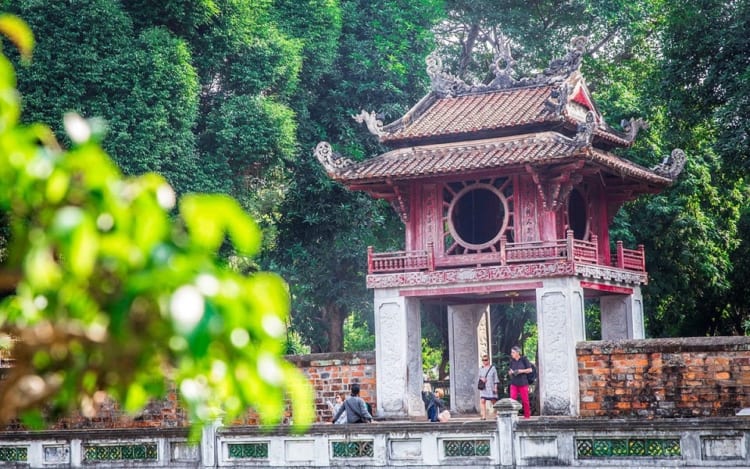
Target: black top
[(520, 378)]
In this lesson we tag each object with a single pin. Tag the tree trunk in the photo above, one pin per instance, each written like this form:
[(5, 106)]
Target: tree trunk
[(507, 326), (335, 316)]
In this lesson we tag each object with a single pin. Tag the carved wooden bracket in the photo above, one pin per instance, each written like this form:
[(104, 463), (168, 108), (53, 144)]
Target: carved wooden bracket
[(400, 203), (554, 186)]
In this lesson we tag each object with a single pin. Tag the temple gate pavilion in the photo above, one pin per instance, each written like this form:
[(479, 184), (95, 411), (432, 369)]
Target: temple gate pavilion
[(507, 191)]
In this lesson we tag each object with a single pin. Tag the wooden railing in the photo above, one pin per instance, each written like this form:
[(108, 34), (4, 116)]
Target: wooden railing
[(536, 251), (630, 259), (568, 249), (400, 261)]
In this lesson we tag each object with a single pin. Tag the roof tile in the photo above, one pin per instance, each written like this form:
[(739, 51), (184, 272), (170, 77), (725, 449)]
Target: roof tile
[(477, 112), (456, 158)]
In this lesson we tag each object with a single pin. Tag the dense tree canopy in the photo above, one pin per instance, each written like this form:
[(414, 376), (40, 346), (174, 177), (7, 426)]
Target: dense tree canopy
[(116, 297), (682, 69), (231, 96), (324, 230)]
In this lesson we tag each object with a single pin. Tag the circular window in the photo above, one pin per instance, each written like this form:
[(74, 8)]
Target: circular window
[(478, 216)]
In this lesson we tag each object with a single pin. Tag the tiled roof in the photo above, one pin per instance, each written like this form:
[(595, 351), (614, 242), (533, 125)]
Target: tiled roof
[(488, 111), (449, 159), (473, 113)]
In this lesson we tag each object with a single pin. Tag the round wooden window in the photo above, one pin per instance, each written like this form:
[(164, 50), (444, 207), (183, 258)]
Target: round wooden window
[(478, 216)]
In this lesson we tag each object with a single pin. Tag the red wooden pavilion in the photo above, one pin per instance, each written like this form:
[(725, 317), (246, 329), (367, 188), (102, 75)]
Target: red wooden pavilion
[(507, 191)]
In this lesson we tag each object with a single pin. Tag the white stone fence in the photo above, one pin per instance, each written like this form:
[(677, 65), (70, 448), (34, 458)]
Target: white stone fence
[(550, 442)]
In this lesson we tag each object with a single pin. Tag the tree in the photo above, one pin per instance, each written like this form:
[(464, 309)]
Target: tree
[(704, 85), (323, 229), (196, 90), (141, 83), (657, 60), (115, 295)]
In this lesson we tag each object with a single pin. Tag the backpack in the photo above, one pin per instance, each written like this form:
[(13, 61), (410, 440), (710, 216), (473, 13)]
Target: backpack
[(531, 377)]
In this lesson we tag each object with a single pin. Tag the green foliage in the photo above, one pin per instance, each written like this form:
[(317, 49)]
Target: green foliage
[(116, 296), (431, 359), (357, 335), (323, 229), (294, 344), (682, 67), (695, 232), (142, 83), (251, 122)]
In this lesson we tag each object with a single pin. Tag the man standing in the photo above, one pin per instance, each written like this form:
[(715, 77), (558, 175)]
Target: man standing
[(520, 367), (355, 407)]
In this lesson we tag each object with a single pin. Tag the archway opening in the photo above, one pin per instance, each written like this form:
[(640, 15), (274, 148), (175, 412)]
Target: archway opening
[(577, 215)]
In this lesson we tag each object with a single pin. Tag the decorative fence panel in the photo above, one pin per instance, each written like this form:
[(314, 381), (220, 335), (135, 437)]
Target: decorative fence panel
[(508, 442)]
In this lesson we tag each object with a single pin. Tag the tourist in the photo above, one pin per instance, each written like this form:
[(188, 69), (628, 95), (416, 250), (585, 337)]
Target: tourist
[(487, 390), (430, 407), (443, 414), (520, 367), (335, 408), (355, 408)]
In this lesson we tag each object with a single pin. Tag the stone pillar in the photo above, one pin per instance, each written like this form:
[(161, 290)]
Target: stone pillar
[(622, 316), (463, 347), (507, 415), (398, 352), (560, 320), (209, 449), (483, 334)]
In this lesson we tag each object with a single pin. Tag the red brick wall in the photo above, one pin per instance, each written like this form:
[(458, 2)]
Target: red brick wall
[(329, 374), (685, 377), (333, 373)]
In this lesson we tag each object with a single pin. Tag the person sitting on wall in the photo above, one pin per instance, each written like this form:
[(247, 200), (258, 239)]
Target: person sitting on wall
[(428, 397), (355, 408), (335, 408), (443, 414)]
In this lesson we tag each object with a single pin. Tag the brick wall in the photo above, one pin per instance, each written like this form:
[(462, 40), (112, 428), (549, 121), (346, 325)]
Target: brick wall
[(684, 377), (334, 373), (329, 374)]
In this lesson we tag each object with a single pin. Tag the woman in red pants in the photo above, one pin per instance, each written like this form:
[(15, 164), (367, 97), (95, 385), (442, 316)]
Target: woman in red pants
[(520, 367)]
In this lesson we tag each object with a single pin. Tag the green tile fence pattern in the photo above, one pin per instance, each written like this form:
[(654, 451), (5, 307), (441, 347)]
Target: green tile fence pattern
[(13, 453), (464, 448), (352, 449), (628, 448), (258, 450), (133, 452)]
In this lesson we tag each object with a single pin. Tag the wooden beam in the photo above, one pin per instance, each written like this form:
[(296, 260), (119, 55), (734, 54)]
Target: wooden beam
[(603, 287)]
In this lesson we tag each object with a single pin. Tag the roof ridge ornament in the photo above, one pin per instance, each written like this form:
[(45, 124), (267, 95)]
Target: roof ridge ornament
[(672, 165), (331, 161), (374, 125), (443, 83), (632, 126), (558, 70), (503, 75), (585, 132), (558, 99)]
